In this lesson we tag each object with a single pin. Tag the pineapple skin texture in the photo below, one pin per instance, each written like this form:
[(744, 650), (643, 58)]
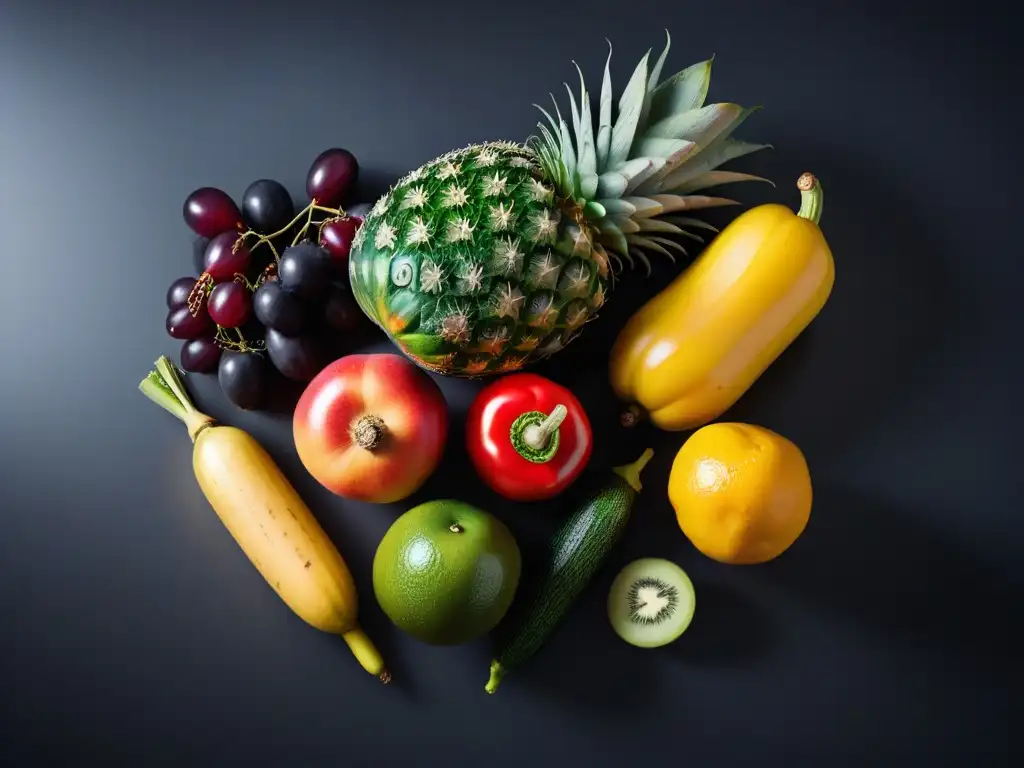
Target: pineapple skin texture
[(473, 266)]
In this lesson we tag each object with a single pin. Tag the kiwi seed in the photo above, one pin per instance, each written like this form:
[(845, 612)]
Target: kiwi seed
[(651, 601)]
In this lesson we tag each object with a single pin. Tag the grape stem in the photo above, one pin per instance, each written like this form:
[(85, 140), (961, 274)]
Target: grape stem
[(243, 345), (273, 250), (305, 227), (199, 293), (306, 212), (240, 278)]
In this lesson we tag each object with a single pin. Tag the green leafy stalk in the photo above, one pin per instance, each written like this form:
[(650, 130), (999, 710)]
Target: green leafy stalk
[(165, 387), (663, 145), (155, 388)]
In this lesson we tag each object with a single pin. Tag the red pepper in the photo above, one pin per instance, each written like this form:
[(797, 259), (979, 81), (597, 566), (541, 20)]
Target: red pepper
[(528, 437)]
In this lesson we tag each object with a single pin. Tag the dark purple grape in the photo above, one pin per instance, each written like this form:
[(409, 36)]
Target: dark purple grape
[(200, 355), (305, 270), (229, 304), (278, 309), (180, 290), (243, 378), (266, 206), (299, 358), (227, 255), (336, 238), (182, 325), (332, 175), (209, 211), (341, 312), (199, 254)]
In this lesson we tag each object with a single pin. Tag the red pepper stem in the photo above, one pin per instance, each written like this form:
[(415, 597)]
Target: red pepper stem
[(537, 435)]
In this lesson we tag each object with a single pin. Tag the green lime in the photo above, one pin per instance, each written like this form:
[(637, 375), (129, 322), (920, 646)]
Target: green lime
[(446, 572)]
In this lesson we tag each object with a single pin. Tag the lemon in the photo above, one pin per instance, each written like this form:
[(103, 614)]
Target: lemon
[(741, 493)]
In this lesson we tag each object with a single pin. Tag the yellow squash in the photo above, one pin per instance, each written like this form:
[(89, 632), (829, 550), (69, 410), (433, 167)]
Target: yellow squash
[(269, 520), (694, 349)]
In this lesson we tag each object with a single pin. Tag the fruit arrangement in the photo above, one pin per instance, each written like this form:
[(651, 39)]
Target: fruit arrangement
[(478, 264), (271, 290)]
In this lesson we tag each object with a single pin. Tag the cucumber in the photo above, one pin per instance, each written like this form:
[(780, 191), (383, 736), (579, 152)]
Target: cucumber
[(578, 551)]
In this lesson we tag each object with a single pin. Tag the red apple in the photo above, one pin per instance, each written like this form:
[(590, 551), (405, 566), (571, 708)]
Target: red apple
[(371, 427)]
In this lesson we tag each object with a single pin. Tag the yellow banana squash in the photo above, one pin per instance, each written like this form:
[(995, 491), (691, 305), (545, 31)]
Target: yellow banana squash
[(694, 349)]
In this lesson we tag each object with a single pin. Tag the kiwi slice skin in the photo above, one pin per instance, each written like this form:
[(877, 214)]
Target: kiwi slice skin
[(651, 602)]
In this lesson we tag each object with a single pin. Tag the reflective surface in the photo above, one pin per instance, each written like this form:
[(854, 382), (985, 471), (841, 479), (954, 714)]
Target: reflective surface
[(136, 633)]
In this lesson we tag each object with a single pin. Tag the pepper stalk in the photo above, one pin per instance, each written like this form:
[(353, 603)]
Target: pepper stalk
[(535, 434)]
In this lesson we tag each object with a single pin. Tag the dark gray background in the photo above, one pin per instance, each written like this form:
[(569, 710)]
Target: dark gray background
[(132, 629)]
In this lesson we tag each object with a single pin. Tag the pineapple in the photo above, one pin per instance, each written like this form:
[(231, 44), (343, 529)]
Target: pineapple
[(491, 257)]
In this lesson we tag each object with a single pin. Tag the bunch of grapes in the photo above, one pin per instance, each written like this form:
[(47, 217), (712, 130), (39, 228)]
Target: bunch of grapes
[(271, 290)]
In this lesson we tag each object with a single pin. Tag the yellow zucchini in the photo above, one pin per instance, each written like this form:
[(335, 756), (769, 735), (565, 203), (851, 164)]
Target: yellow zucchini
[(692, 351), (268, 520)]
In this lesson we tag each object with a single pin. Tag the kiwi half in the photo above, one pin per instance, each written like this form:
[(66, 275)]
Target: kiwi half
[(651, 602)]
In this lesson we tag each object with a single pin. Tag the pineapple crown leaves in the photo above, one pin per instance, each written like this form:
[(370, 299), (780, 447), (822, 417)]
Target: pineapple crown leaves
[(650, 155)]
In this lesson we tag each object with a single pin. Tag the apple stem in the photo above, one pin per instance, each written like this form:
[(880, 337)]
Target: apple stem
[(368, 432), (455, 528)]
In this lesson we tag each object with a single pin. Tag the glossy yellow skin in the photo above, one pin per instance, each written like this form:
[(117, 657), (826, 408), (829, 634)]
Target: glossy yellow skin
[(694, 349), (742, 493), (280, 536)]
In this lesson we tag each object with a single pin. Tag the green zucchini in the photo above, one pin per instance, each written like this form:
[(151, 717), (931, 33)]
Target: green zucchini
[(578, 551)]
